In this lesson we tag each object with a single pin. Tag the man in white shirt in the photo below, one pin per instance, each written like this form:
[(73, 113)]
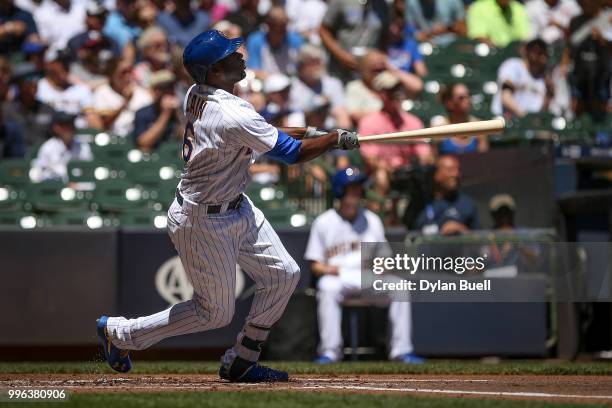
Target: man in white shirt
[(523, 85), (116, 102), (312, 80), (550, 18), (54, 155), (57, 91), (60, 20)]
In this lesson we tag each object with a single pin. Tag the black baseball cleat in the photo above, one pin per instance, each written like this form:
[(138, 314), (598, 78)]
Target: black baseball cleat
[(249, 372), (117, 359)]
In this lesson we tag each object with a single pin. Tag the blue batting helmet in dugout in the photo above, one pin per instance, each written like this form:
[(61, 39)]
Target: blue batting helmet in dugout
[(350, 175), (205, 49)]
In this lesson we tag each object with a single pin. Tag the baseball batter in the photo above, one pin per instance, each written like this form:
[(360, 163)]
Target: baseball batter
[(334, 249), (214, 225)]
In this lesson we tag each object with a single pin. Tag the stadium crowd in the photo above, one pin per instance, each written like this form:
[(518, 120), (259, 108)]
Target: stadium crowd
[(116, 66)]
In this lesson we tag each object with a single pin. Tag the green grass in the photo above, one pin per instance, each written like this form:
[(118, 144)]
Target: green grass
[(533, 367), (285, 399)]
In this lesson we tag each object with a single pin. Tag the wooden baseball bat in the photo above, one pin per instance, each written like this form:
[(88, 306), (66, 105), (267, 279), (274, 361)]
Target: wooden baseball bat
[(482, 127)]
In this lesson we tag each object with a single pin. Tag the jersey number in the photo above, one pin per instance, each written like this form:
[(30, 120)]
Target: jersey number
[(188, 137)]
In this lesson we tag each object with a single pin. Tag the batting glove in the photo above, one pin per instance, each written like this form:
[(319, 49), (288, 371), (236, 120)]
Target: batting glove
[(347, 140)]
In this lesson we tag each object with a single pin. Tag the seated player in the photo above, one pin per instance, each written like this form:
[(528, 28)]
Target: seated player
[(335, 255)]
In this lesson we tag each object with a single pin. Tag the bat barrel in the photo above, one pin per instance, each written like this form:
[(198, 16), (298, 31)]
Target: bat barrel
[(483, 127)]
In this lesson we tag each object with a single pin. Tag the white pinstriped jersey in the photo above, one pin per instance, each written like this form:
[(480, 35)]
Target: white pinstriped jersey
[(223, 137)]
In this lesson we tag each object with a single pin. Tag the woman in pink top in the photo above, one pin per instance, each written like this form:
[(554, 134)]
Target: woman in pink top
[(384, 158)]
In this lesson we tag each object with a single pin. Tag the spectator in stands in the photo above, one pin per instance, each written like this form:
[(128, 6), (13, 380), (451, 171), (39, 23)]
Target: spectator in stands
[(31, 115), (5, 78), (230, 30), (498, 22), (456, 100), (450, 212), (305, 17), (94, 22), (183, 23), (34, 52), (15, 26), (155, 51), (60, 20), (94, 62), (384, 159), (550, 18), (312, 80), (335, 255), (362, 98), (277, 88), (122, 24), (58, 91), (349, 28), (502, 208), (215, 10), (117, 101), (524, 84), (62, 147), (160, 121), (440, 21), (274, 50), (403, 50), (588, 52), (11, 139), (246, 17)]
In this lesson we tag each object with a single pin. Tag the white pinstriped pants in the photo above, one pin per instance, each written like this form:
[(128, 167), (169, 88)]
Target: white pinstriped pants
[(209, 246), (331, 291)]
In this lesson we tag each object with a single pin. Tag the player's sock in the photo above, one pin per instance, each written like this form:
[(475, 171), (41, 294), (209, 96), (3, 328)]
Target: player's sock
[(249, 342)]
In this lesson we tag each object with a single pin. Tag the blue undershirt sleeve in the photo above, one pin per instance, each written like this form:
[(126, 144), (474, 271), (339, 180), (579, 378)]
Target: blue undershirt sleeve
[(286, 149)]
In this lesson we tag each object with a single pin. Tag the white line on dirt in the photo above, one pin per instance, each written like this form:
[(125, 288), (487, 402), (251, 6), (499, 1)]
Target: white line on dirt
[(439, 391), (393, 380)]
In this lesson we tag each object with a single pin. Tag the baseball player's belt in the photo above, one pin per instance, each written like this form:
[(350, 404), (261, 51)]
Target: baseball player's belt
[(214, 208)]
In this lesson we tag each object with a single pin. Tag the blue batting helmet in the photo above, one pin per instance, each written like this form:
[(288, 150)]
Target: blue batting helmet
[(204, 50), (350, 175)]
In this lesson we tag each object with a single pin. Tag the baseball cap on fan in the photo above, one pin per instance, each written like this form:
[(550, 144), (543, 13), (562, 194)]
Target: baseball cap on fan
[(501, 200), (162, 78), (276, 83), (95, 8), (385, 81)]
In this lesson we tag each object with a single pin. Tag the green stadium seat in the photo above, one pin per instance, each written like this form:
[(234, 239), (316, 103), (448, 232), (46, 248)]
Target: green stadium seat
[(286, 216), (53, 196), (33, 151), (14, 172), (91, 171), (11, 199), (119, 195), (143, 218), (171, 152), (21, 219), (164, 194), (150, 174), (266, 195), (84, 219), (112, 153)]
